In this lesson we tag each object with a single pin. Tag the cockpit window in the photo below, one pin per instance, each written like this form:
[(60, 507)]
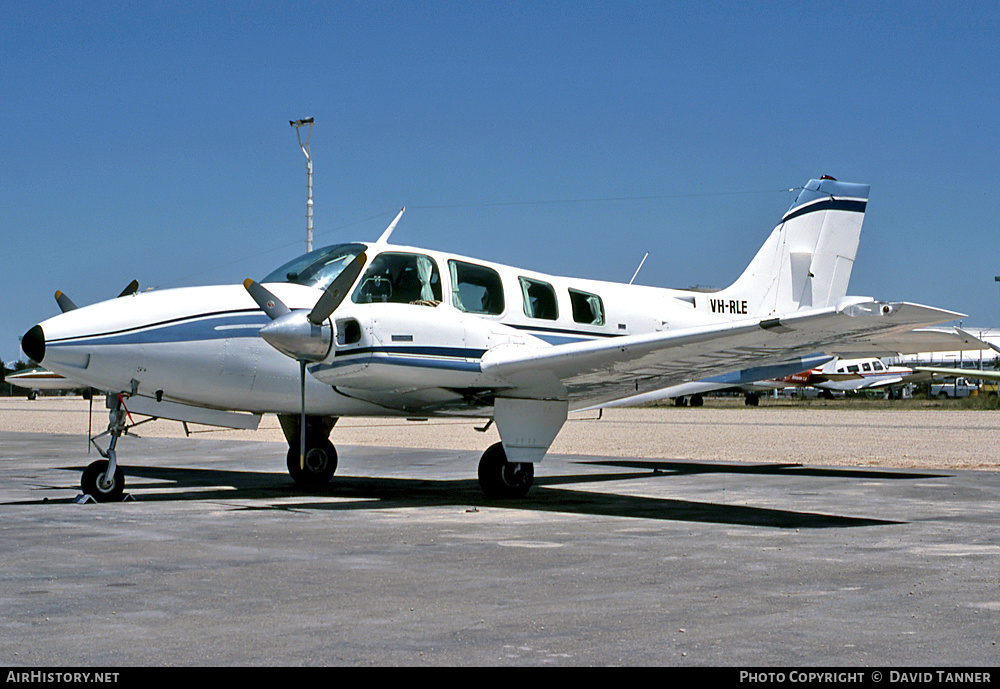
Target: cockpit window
[(400, 278), (317, 268)]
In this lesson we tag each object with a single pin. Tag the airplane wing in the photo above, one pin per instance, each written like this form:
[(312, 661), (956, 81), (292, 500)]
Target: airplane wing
[(884, 382), (912, 342), (835, 377), (593, 372), (966, 372)]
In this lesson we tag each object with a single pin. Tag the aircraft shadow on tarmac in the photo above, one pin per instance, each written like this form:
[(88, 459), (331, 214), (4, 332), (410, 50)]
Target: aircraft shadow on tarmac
[(354, 493)]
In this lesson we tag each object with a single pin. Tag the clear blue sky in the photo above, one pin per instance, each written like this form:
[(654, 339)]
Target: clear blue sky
[(151, 140)]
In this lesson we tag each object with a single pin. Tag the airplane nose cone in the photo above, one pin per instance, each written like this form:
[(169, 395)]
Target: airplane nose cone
[(33, 344)]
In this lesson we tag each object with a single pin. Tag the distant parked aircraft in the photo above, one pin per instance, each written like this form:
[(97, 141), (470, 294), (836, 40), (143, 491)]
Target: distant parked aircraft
[(38, 379)]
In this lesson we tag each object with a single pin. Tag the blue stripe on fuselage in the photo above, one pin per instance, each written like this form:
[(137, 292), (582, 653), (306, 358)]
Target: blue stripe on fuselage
[(214, 326), (387, 357)]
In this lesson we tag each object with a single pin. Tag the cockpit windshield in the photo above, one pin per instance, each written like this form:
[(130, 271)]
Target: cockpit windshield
[(317, 268)]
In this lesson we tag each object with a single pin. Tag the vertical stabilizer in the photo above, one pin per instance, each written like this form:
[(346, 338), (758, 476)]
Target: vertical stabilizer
[(807, 260)]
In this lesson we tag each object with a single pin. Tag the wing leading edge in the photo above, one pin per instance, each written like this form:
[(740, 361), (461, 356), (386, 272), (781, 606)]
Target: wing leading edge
[(595, 372)]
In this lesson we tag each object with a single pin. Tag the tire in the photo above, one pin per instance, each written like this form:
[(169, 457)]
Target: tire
[(502, 479), (91, 480), (320, 463)]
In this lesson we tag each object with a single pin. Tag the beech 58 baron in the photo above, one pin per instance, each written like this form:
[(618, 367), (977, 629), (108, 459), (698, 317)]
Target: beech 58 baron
[(379, 329)]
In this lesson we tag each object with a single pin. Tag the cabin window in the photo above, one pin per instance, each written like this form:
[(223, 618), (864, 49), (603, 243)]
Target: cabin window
[(475, 289), (866, 366), (587, 308), (399, 278), (853, 368), (539, 299), (878, 365)]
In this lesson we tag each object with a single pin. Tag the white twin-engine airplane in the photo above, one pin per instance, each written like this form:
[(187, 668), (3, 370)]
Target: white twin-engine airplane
[(380, 329)]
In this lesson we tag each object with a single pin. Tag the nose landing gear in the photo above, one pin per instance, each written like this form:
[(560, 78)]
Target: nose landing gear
[(104, 480)]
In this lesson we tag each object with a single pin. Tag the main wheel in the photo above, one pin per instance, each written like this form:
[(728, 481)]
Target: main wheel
[(502, 479), (320, 463), (92, 482)]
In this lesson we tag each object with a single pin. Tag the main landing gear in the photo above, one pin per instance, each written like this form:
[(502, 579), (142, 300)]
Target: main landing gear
[(499, 478), (502, 479), (316, 466)]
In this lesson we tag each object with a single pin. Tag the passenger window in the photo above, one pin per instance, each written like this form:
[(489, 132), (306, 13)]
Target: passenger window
[(853, 369), (587, 308), (539, 299), (878, 366), (867, 367), (400, 278), (475, 289)]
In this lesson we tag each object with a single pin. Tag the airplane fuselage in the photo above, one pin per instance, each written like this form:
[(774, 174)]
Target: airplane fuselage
[(845, 375), (200, 345)]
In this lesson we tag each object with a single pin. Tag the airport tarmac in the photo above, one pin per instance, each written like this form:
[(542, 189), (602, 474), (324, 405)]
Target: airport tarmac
[(703, 537)]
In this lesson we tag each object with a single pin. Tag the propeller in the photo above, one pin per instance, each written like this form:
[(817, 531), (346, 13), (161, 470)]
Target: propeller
[(66, 304), (131, 288), (304, 335)]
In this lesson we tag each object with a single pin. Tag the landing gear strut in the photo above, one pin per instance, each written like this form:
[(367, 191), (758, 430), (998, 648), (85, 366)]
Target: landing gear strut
[(502, 479)]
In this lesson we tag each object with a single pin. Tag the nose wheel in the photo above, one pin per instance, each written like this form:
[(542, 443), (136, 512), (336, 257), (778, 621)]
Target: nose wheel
[(102, 483)]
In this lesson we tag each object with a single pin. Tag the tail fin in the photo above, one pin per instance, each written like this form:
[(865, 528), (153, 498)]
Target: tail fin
[(807, 260)]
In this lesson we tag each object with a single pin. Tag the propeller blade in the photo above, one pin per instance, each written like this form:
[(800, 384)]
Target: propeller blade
[(337, 291), (132, 288), (270, 304), (65, 303)]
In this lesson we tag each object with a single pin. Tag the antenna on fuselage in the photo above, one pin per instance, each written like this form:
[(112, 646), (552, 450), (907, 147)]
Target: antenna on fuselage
[(392, 226), (639, 268)]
